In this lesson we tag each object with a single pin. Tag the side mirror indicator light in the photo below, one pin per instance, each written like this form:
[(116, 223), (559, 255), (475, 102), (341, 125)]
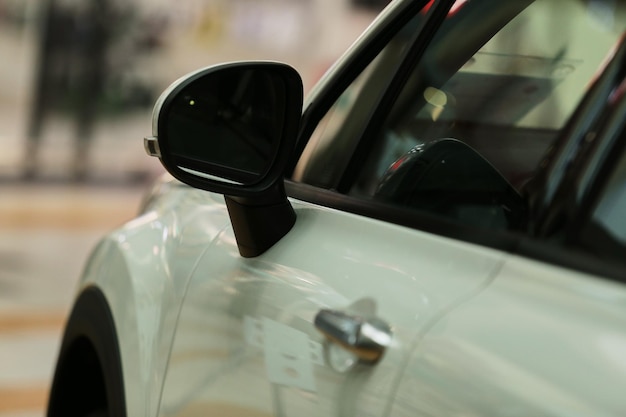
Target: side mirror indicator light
[(151, 145)]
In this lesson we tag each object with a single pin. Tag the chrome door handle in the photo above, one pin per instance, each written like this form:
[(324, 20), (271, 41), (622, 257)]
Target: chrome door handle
[(366, 338)]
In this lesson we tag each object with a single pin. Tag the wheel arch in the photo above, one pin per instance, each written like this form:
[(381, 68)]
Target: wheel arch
[(88, 377)]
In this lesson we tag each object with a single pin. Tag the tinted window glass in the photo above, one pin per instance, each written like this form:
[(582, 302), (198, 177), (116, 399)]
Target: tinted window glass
[(500, 77), (508, 99)]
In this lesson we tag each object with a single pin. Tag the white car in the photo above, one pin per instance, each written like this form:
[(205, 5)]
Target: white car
[(440, 230)]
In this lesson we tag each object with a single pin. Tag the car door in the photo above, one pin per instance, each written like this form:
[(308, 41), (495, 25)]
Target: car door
[(246, 343), (246, 340), (542, 339), (364, 245), (547, 337)]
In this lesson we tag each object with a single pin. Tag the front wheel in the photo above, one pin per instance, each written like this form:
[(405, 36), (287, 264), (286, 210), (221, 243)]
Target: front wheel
[(88, 379)]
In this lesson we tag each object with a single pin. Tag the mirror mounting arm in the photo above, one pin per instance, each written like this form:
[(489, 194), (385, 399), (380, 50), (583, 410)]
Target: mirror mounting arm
[(261, 221)]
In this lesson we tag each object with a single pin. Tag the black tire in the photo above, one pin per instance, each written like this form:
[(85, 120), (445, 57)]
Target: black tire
[(88, 379)]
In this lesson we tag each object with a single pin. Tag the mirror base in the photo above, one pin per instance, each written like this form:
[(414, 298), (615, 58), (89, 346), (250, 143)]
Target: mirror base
[(258, 226)]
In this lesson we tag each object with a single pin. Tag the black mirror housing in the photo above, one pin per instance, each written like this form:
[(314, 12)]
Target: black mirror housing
[(229, 128)]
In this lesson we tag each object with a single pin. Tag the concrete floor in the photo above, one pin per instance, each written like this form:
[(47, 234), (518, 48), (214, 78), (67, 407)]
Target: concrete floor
[(46, 233)]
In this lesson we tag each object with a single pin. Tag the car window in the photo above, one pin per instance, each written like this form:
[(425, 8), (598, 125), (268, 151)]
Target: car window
[(493, 90)]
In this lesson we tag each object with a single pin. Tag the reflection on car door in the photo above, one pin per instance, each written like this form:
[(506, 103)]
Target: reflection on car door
[(540, 341), (246, 343), (543, 339)]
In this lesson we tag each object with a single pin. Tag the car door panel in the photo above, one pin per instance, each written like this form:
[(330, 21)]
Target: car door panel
[(541, 341), (246, 343)]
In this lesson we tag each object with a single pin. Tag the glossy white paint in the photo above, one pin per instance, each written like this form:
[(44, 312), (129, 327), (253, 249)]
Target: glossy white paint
[(475, 332), (245, 342), (143, 269), (539, 341)]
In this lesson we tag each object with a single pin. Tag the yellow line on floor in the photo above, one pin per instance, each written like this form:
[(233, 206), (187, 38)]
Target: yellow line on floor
[(11, 322), (72, 217), (23, 399), (66, 208)]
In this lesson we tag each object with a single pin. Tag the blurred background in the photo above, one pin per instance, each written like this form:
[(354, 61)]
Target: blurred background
[(78, 79)]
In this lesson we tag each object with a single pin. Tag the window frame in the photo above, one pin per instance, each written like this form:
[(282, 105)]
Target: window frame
[(359, 56)]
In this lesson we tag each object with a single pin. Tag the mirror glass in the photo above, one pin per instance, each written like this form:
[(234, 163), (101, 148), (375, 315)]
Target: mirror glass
[(226, 123)]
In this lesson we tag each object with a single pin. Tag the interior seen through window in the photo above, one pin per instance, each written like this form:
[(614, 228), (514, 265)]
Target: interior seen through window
[(498, 81)]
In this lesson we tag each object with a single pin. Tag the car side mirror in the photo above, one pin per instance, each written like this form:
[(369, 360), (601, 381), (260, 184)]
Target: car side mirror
[(231, 129)]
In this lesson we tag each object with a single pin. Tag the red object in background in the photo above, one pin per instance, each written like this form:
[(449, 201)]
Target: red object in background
[(453, 10)]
